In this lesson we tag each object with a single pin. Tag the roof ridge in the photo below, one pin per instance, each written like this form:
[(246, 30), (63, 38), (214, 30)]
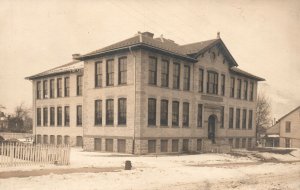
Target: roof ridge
[(199, 42)]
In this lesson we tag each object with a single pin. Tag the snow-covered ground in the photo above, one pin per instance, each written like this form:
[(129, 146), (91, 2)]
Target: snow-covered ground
[(204, 171)]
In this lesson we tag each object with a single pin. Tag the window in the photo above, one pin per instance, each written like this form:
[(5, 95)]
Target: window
[(45, 116), (230, 118), (122, 106), (79, 141), (222, 117), (287, 142), (151, 111), (67, 86), (59, 140), (52, 116), (110, 72), (97, 144), (237, 143), (45, 139), (244, 142), (199, 144), (244, 123), (232, 84), (175, 113), (152, 70), (109, 112), (164, 146), (59, 116), (98, 112), (239, 88), (38, 139), (123, 70), (249, 144), (121, 145), (59, 87), (212, 82), (45, 89), (245, 90), (176, 75), (186, 79), (79, 116), (164, 112), (199, 115), (238, 113), (151, 146), (79, 85), (66, 139), (230, 141), (201, 77), (52, 88), (175, 145), (185, 145), (223, 85), (251, 90), (109, 145), (38, 117), (98, 74), (67, 115), (250, 119), (52, 139), (164, 73), (38, 90), (185, 114), (287, 126)]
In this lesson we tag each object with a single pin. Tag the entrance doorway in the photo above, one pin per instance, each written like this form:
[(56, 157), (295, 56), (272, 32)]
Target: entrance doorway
[(212, 128)]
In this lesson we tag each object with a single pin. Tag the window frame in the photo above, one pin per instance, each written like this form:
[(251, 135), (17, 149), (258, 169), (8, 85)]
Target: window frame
[(45, 116), (59, 116), (176, 76), (67, 86), (79, 115), (67, 116), (238, 118), (109, 112), (212, 86), (52, 88), (122, 68), (45, 89), (201, 80), (231, 118), (152, 71), (59, 87), (38, 90), (185, 114), (110, 72), (151, 112), (165, 73), (98, 74), (98, 112), (175, 114), (52, 116), (186, 77), (232, 87), (122, 111), (164, 105), (223, 83), (79, 85)]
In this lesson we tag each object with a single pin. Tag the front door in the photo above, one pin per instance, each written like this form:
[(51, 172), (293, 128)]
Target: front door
[(212, 128)]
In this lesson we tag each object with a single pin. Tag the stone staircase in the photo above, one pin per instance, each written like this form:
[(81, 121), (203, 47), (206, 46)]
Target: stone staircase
[(217, 147)]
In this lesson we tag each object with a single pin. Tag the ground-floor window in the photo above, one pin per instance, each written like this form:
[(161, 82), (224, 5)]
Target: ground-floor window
[(52, 139), (185, 145), (38, 139), (237, 143), (67, 139), (230, 141), (122, 145), (244, 143), (287, 142), (79, 141), (45, 139), (97, 144), (109, 145), (164, 146), (151, 146), (199, 144), (249, 143), (59, 139), (175, 145)]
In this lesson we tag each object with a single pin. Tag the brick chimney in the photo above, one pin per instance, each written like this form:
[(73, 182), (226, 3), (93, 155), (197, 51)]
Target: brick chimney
[(75, 56), (148, 34)]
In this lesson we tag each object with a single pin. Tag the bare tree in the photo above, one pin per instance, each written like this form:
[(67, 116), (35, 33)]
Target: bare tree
[(21, 120), (263, 113)]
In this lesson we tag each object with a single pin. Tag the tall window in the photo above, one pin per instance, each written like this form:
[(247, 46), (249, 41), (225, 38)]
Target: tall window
[(67, 115), (38, 90), (52, 88), (109, 112), (251, 90), (45, 116), (52, 116), (250, 119), (230, 118), (98, 112), (123, 70), (79, 85), (164, 112), (185, 114), (59, 116), (238, 115), (212, 82), (59, 87), (239, 88), (67, 86), (79, 115), (222, 117), (186, 81), (287, 126), (175, 113), (152, 70), (244, 123), (110, 72), (151, 111), (45, 89), (201, 77), (98, 74), (232, 84), (245, 90), (199, 115), (176, 75), (122, 106), (164, 73), (38, 117), (222, 84)]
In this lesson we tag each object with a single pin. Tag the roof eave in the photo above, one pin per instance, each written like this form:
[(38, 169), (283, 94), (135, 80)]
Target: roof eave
[(33, 77)]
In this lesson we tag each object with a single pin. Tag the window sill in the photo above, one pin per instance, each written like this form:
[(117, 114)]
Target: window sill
[(121, 125), (164, 126), (174, 126), (152, 126), (97, 125), (78, 125), (109, 125)]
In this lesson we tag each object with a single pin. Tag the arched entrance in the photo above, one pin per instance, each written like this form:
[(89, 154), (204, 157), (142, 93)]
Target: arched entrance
[(212, 128)]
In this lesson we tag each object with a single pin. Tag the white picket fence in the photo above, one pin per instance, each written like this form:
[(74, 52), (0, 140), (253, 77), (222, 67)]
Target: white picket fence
[(12, 154)]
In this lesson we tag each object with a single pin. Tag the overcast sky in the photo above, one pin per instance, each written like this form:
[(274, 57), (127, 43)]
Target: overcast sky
[(263, 36)]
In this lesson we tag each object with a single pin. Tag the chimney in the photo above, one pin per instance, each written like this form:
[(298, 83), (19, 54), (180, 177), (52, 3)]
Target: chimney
[(148, 34), (75, 56), (218, 35)]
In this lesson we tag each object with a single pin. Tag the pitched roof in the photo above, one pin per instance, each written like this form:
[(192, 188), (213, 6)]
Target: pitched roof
[(244, 73), (289, 113), (73, 66), (273, 130)]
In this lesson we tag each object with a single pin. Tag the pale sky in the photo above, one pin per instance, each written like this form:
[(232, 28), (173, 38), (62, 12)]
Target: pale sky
[(262, 35)]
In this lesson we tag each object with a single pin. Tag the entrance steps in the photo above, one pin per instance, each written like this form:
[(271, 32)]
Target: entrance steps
[(217, 147)]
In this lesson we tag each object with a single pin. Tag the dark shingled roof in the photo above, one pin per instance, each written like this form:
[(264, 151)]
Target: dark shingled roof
[(244, 73)]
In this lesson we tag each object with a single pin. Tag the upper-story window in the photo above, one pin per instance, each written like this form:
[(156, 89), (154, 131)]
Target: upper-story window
[(45, 89), (251, 91), (45, 116), (123, 70), (176, 75), (212, 56), (250, 118), (164, 73), (239, 88), (238, 116), (232, 84), (222, 84), (201, 77), (67, 115), (67, 86), (244, 121), (59, 87), (245, 90), (52, 88), (175, 113), (98, 112), (38, 90), (186, 81), (79, 115), (199, 115), (109, 112), (59, 116), (164, 112), (212, 82), (98, 74), (222, 117), (52, 116), (122, 107), (38, 117), (79, 85), (185, 114), (152, 70), (110, 72), (287, 126), (230, 118), (151, 111)]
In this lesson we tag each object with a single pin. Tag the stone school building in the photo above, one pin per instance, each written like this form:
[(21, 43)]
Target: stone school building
[(147, 95)]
